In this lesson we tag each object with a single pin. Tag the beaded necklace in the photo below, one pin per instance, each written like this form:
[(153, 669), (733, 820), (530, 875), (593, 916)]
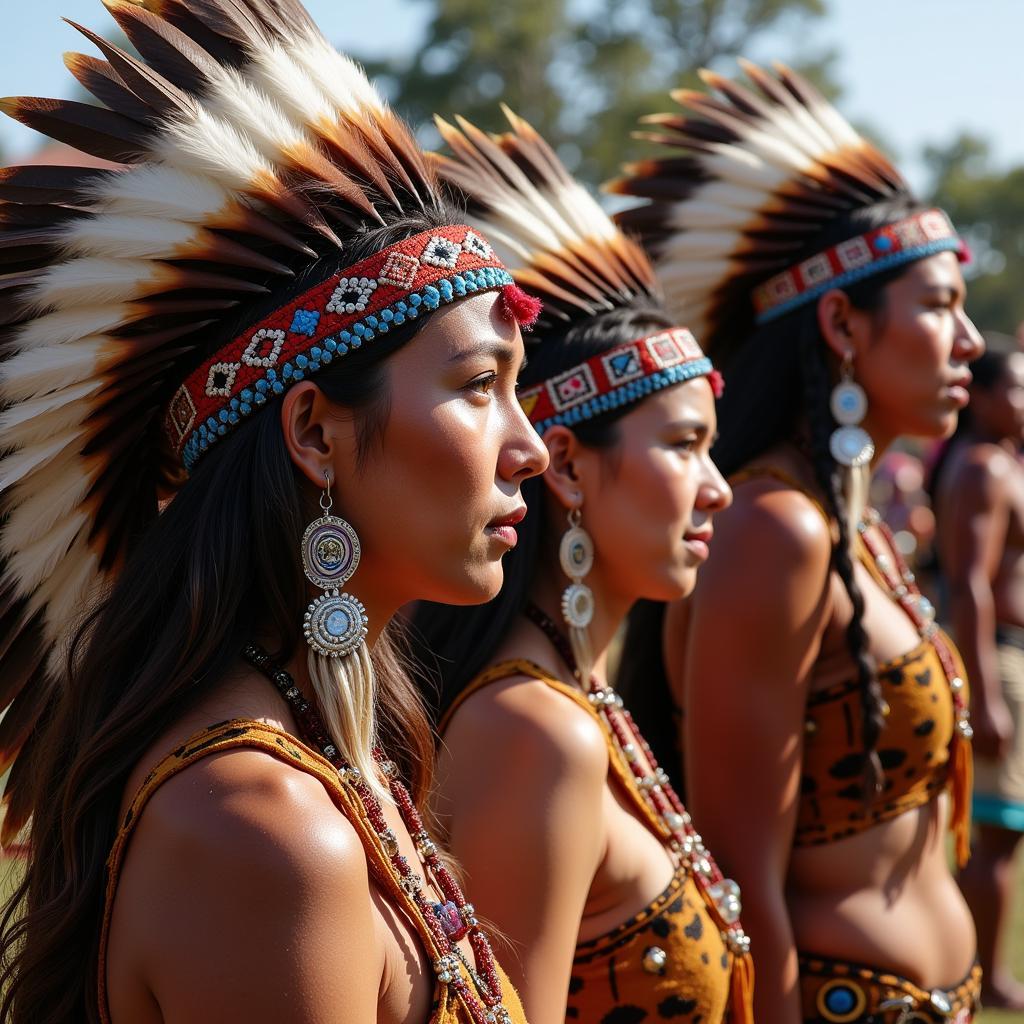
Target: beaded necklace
[(446, 922), (892, 571), (902, 587), (655, 793)]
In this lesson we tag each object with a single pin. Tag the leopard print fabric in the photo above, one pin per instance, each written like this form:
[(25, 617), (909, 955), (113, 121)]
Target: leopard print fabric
[(914, 749), (668, 963), (447, 1007)]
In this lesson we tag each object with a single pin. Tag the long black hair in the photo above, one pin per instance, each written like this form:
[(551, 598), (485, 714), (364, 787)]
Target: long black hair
[(452, 645), (219, 564), (778, 383)]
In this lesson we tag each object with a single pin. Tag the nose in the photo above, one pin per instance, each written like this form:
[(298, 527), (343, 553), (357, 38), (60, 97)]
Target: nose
[(715, 494), (523, 453), (968, 344)]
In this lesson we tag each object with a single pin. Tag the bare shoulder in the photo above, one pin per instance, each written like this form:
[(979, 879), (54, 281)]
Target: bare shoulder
[(222, 802), (983, 465), (526, 719), (773, 524), (241, 870)]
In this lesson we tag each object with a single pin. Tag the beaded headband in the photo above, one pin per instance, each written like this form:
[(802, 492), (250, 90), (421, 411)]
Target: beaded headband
[(620, 376), (912, 238), (402, 282)]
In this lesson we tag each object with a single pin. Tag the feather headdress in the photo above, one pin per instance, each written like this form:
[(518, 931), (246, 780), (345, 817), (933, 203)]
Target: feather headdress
[(757, 174), (549, 231), (251, 149)]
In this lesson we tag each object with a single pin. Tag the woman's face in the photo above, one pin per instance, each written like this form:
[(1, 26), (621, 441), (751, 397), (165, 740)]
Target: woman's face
[(435, 502), (648, 502), (914, 365)]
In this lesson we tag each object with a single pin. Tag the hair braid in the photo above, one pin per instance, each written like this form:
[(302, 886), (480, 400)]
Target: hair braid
[(816, 391)]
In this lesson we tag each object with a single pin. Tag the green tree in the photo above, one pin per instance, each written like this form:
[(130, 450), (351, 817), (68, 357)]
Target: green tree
[(987, 205), (581, 72)]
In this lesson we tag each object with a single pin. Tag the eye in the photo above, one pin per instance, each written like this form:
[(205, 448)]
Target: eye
[(686, 444), (484, 383)]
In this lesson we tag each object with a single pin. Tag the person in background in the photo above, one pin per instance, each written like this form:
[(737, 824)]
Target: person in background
[(978, 489), (826, 732)]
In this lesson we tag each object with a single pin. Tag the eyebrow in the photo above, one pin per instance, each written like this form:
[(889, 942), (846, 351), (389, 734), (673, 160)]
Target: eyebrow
[(502, 351), (689, 424)]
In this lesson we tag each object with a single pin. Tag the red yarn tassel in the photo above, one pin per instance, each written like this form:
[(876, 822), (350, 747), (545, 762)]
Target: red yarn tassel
[(717, 382), (520, 306)]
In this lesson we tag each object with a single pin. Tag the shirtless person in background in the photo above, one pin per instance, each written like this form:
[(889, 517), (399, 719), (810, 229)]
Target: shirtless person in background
[(979, 505)]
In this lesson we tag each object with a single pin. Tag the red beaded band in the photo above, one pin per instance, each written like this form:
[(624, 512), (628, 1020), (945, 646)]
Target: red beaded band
[(400, 283), (620, 376), (891, 245)]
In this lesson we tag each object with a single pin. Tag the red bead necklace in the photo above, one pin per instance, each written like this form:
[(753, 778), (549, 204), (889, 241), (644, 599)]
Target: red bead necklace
[(446, 922), (655, 793)]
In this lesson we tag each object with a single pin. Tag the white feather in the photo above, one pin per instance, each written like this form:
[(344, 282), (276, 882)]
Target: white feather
[(32, 422), (61, 328), (18, 465), (158, 190), (43, 370), (131, 237), (32, 564)]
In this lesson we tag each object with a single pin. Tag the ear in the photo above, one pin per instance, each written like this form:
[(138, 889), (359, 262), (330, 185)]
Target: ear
[(845, 329), (320, 440), (562, 477)]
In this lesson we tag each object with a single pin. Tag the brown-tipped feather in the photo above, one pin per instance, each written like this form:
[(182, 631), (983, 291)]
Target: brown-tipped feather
[(99, 78), (94, 130), (169, 51), (153, 89)]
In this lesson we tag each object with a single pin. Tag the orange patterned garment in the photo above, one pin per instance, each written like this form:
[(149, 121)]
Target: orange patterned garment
[(447, 1007), (914, 749)]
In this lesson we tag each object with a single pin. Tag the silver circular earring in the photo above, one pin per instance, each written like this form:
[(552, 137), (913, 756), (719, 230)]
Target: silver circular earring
[(335, 623), (850, 444), (576, 555)]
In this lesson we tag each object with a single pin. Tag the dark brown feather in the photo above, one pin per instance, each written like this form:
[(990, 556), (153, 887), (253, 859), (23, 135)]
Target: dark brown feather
[(104, 133), (100, 79)]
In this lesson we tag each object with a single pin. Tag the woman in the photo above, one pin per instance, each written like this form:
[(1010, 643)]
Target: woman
[(269, 320), (824, 710), (978, 492), (581, 854)]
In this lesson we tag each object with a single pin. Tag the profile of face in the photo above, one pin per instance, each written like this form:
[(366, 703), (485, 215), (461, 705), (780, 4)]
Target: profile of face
[(648, 502), (911, 354), (436, 500), (999, 408)]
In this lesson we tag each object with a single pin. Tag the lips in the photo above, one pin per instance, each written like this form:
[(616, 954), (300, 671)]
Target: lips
[(703, 536), (512, 519)]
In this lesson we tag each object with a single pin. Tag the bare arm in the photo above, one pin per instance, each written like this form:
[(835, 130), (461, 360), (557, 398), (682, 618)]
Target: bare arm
[(245, 898), (522, 779), (977, 507), (755, 628)]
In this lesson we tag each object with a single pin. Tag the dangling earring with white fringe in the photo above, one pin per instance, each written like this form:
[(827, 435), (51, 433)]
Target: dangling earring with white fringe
[(851, 446), (335, 626), (576, 554)]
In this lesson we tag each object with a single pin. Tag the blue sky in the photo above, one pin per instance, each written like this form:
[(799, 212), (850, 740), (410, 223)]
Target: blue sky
[(919, 70)]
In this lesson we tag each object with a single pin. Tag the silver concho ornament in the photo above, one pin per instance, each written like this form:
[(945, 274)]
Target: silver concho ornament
[(851, 446), (849, 403), (330, 552), (576, 553), (335, 624), (578, 605)]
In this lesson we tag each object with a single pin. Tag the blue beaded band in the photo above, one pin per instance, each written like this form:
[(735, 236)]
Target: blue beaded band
[(849, 277), (627, 394), (274, 381)]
